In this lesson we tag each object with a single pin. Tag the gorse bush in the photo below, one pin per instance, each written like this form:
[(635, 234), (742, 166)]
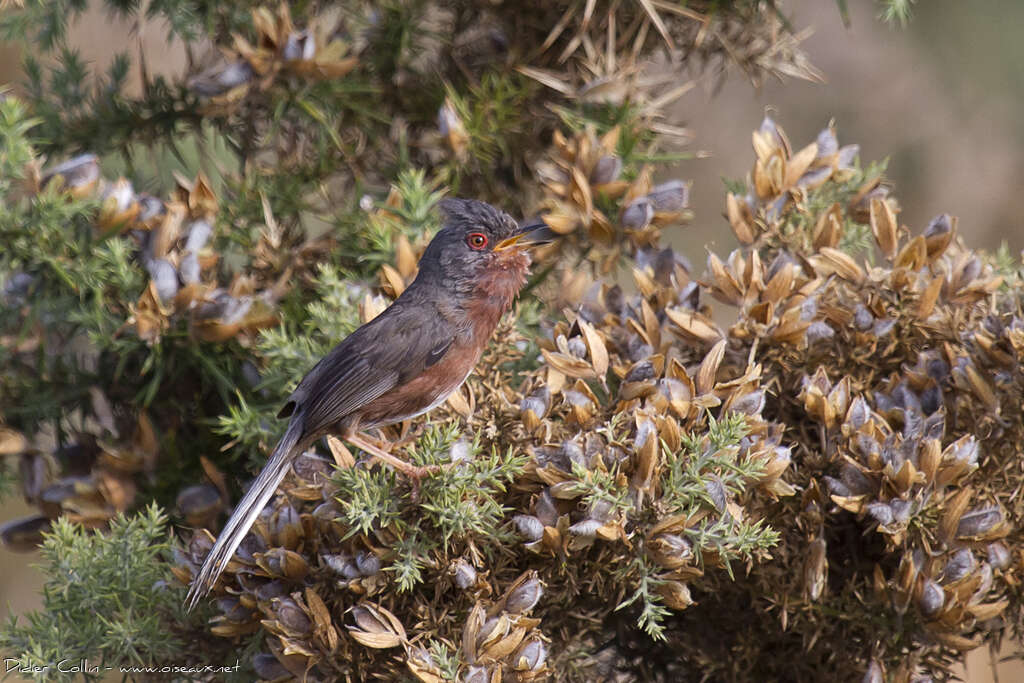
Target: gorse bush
[(817, 476)]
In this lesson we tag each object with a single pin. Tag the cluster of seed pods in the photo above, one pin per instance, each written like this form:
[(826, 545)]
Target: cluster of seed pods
[(280, 50), (93, 477), (907, 363), (583, 173), (173, 243), (89, 481), (619, 389)]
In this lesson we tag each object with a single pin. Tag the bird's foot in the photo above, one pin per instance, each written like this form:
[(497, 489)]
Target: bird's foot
[(410, 436), (415, 473)]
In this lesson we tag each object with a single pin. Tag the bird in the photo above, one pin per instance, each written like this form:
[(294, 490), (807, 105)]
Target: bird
[(401, 364)]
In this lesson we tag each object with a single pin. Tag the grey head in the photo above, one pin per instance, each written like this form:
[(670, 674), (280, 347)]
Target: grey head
[(474, 238)]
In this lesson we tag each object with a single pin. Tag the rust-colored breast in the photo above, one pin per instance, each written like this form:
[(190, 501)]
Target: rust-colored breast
[(473, 324), (425, 392)]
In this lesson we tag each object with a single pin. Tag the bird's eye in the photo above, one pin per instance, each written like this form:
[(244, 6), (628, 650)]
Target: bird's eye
[(476, 240)]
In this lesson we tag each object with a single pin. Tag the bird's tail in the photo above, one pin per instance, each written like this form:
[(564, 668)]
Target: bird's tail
[(246, 512)]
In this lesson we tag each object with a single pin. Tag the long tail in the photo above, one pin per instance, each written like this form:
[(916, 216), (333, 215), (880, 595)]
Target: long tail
[(246, 512)]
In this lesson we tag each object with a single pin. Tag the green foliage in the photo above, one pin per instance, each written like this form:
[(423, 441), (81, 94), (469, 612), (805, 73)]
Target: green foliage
[(15, 149), (495, 116), (652, 608), (107, 598), (856, 239), (413, 215), (702, 476), (461, 505), (896, 12)]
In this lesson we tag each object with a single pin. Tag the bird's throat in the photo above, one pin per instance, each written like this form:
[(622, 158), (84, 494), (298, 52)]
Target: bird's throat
[(498, 287)]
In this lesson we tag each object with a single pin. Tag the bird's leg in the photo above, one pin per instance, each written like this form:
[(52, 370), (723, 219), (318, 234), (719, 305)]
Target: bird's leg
[(381, 441), (405, 437), (414, 472)]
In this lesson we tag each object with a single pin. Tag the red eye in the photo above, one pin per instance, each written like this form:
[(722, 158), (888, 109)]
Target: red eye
[(476, 240)]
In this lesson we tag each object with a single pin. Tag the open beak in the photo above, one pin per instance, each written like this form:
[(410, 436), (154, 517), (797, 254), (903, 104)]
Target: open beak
[(528, 235)]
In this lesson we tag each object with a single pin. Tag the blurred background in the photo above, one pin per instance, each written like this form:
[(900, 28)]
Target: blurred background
[(942, 99)]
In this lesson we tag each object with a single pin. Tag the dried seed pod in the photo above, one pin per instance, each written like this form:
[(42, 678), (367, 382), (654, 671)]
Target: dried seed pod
[(299, 46), (270, 590), (67, 488), (583, 533), (198, 235), (463, 573), (268, 668), (932, 598), (600, 510), (533, 408), (862, 318), (283, 563), (977, 523), (188, 268), (998, 555), (827, 143), (641, 371), (577, 347), (883, 327), (777, 462), (881, 512), (422, 665), (477, 674), (676, 594), (545, 508), (376, 627), (165, 277), (751, 403), (200, 504), (150, 209), (292, 618), (670, 550), (523, 597), (638, 215), (342, 564), (531, 656), (816, 569), (939, 234), (856, 480), (529, 527), (959, 565), (24, 534), (233, 610), (367, 563), (717, 493), (606, 170), (669, 197), (118, 204), (79, 174), (847, 156), (901, 510), (819, 331), (221, 79)]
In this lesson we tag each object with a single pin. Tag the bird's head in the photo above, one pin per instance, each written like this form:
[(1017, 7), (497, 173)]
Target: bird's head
[(480, 248)]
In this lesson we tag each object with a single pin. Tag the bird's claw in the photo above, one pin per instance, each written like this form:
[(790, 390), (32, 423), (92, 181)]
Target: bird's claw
[(417, 473)]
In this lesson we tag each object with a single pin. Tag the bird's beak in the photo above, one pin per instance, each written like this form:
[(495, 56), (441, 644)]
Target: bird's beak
[(528, 235)]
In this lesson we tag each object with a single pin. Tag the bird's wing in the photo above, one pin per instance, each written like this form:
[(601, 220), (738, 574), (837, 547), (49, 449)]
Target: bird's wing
[(394, 347)]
